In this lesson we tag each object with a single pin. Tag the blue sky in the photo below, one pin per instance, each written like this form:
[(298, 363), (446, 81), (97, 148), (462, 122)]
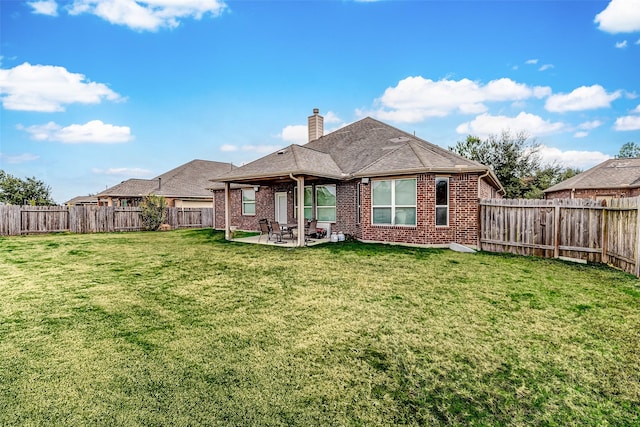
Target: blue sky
[(96, 92)]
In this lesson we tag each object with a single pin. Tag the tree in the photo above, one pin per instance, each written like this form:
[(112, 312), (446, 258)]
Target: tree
[(16, 191), (513, 158), (629, 150), (154, 211), (545, 177), (516, 163)]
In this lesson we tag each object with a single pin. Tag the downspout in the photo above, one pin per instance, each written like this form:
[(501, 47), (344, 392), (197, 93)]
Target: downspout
[(479, 214), (300, 213), (227, 212), (480, 179)]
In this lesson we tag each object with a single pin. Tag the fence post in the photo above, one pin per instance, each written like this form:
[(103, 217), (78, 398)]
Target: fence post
[(556, 230), (637, 245), (605, 235)]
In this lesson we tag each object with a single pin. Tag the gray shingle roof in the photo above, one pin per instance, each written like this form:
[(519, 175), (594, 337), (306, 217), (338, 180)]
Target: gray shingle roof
[(190, 180), (366, 148), (613, 173)]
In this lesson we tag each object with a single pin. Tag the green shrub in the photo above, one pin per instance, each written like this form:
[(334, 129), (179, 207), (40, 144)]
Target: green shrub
[(154, 211)]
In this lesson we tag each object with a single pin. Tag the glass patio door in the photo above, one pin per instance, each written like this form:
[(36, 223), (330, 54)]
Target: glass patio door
[(281, 208)]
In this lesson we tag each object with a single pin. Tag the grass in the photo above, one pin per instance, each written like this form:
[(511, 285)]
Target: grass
[(183, 328)]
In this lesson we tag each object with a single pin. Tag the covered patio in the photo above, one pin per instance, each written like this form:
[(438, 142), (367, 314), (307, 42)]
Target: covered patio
[(285, 243)]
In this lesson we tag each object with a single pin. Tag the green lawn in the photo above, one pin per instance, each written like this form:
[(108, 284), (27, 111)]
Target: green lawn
[(183, 328)]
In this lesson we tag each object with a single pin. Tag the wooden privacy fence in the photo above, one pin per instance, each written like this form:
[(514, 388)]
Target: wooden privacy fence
[(15, 220), (577, 229)]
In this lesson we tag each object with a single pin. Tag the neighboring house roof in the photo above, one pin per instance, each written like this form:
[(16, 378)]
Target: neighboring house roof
[(365, 148), (190, 180), (613, 173), (82, 200)]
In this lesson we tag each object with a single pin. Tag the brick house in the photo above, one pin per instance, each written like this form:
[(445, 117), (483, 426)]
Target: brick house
[(611, 179), (369, 180), (185, 186)]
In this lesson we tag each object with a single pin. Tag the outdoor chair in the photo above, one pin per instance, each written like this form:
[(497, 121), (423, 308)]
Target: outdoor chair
[(311, 230), (264, 229), (279, 232)]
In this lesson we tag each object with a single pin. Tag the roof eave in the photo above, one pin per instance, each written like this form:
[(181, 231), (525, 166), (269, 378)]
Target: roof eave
[(279, 175), (420, 170)]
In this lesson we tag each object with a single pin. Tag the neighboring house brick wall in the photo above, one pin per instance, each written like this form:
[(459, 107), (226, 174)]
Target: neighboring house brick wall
[(593, 193)]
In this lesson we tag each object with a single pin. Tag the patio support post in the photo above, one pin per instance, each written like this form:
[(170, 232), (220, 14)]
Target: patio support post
[(301, 236), (227, 211), (300, 213)]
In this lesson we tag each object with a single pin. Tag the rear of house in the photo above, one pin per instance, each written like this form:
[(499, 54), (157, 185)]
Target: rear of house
[(369, 180)]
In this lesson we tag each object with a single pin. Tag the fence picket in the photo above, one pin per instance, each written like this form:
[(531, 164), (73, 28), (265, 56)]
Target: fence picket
[(574, 228), (16, 220)]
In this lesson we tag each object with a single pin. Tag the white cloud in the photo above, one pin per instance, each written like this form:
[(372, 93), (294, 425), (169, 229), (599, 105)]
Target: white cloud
[(486, 124), (127, 172), (637, 109), (627, 123), (416, 98), (47, 88), (590, 125), (148, 15), (620, 16), (227, 148), (44, 7), (545, 67), (581, 134), (571, 158), (18, 158), (332, 117), (582, 98), (95, 132), (295, 134), (531, 61), (621, 45)]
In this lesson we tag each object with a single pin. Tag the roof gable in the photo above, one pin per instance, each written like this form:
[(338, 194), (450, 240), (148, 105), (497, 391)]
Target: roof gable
[(191, 179), (612, 173), (367, 147), (293, 159)]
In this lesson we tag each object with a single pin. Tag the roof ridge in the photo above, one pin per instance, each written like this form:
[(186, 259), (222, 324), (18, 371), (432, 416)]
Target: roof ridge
[(412, 143), (379, 159), (295, 156)]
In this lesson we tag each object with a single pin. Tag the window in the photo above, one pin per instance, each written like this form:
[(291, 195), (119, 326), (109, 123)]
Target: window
[(394, 201), (308, 202), (326, 203), (442, 202), (248, 201)]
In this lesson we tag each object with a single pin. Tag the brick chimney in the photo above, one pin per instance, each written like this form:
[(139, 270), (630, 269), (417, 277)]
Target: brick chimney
[(316, 125)]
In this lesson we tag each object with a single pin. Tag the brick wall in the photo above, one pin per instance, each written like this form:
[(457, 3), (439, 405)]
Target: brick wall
[(265, 208), (614, 193), (463, 214)]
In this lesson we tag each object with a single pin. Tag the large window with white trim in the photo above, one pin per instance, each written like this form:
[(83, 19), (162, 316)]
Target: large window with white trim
[(248, 201), (326, 203), (308, 202), (394, 201), (442, 202)]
